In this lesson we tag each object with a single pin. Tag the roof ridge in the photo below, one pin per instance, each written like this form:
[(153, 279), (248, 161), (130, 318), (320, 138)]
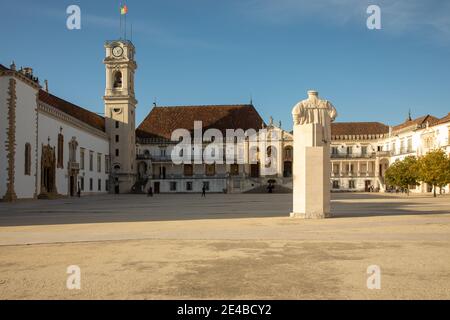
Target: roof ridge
[(206, 105)]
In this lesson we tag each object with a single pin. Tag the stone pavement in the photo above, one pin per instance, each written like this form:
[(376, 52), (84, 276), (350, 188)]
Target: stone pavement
[(225, 246)]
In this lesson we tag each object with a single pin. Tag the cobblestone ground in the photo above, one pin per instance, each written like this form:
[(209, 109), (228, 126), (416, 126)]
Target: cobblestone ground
[(225, 246)]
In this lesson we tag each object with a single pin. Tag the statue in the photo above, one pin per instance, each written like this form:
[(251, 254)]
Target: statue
[(311, 168), (317, 111)]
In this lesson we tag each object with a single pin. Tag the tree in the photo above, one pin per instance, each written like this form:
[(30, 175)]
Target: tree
[(403, 174), (434, 169)]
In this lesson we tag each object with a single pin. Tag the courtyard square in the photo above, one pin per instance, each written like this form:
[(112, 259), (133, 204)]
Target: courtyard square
[(226, 246)]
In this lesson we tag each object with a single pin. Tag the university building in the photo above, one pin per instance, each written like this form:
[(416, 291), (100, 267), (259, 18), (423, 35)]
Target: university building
[(52, 147)]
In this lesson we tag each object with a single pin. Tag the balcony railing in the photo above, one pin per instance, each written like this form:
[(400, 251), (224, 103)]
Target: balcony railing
[(352, 156), (75, 166)]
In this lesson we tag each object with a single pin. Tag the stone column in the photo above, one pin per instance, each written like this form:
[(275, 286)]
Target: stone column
[(311, 170)]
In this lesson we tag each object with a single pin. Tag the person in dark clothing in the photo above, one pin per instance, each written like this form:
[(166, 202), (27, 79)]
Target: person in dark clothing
[(204, 191), (79, 191), (150, 192)]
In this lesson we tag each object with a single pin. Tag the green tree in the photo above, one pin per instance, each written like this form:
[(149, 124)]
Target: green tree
[(434, 169), (403, 174)]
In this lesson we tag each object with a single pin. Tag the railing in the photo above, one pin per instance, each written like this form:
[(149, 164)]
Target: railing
[(194, 176), (74, 166), (352, 156)]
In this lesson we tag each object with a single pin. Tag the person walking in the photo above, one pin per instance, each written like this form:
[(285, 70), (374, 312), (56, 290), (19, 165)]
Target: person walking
[(150, 192), (79, 190), (204, 191)]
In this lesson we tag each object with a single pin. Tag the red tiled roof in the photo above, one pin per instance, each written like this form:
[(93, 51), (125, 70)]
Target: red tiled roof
[(162, 121), (86, 116), (443, 120), (416, 122), (358, 128)]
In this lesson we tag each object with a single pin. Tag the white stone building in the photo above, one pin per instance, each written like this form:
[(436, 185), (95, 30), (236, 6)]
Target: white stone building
[(53, 148), (362, 151)]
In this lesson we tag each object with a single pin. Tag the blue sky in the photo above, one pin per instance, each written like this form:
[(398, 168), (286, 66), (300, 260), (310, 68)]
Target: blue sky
[(224, 52)]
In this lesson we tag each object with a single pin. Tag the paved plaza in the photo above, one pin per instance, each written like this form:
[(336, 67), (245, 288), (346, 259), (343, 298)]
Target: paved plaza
[(225, 247)]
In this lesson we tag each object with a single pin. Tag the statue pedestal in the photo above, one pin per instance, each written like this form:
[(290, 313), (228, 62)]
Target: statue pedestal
[(311, 173)]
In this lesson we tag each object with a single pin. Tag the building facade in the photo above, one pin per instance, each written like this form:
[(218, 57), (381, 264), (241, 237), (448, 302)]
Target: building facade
[(53, 148)]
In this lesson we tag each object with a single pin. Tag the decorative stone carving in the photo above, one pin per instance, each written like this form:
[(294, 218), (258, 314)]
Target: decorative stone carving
[(48, 173), (10, 194)]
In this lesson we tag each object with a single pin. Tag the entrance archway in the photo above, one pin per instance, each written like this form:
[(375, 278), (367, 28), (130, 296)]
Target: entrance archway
[(48, 173)]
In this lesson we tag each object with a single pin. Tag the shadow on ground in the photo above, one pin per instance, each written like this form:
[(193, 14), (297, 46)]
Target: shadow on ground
[(140, 208)]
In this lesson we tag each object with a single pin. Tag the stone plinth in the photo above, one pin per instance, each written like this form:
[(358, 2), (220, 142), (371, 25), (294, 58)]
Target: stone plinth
[(311, 166), (311, 174)]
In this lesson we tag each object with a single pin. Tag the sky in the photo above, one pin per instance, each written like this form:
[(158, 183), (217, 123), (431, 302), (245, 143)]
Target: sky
[(196, 52)]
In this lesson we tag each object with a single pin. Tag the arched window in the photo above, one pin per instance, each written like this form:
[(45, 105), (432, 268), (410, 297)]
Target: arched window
[(60, 151), (117, 80), (27, 159)]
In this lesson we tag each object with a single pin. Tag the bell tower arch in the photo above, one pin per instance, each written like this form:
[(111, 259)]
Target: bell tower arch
[(120, 105)]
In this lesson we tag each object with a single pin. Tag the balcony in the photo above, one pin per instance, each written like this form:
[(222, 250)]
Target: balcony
[(353, 156), (73, 166)]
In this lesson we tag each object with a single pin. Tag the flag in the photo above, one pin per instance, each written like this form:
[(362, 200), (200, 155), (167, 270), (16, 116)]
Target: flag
[(123, 10)]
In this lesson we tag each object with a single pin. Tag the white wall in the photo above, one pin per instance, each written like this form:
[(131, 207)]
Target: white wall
[(25, 185), (50, 127)]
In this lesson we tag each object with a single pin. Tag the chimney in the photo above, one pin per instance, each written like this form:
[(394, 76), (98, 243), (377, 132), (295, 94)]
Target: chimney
[(46, 85)]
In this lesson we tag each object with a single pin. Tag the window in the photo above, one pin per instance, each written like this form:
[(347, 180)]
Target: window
[(173, 186), (91, 161), (188, 170), (210, 170), (351, 184), (335, 184), (288, 153), (162, 152), (409, 145), (206, 185), (99, 162), (27, 159), (117, 124), (364, 150), (117, 80), (335, 168), (60, 151), (82, 183), (234, 169), (350, 168), (117, 152), (107, 185), (81, 158), (107, 164), (334, 150), (189, 186), (91, 184), (349, 150), (117, 138), (99, 184)]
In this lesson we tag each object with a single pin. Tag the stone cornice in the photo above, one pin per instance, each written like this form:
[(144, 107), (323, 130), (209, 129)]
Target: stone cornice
[(59, 115), (21, 77)]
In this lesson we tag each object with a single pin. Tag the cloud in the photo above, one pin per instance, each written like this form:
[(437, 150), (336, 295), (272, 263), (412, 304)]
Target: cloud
[(428, 18)]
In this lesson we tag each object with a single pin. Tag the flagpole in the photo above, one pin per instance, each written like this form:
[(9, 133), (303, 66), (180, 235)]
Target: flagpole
[(120, 30)]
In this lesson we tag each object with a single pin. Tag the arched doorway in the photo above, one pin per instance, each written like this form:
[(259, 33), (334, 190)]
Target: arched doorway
[(287, 169), (48, 173)]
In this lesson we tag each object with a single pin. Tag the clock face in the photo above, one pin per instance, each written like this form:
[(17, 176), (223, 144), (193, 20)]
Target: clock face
[(117, 51)]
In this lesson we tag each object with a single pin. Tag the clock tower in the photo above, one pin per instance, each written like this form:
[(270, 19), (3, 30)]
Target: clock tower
[(120, 105)]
